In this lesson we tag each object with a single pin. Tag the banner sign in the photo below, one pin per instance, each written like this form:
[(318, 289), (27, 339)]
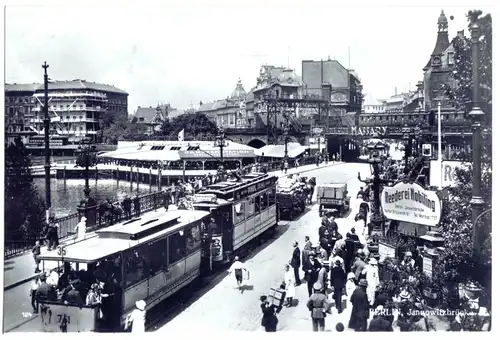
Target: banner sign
[(411, 203), (448, 172), (215, 154), (217, 251), (198, 198)]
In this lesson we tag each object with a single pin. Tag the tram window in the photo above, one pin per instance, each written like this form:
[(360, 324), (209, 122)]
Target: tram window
[(239, 212), (158, 256), (272, 196), (176, 246), (250, 207), (193, 237), (264, 199), (136, 265), (258, 207), (110, 267)]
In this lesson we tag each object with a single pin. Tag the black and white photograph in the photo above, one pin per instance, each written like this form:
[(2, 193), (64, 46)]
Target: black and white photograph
[(253, 166)]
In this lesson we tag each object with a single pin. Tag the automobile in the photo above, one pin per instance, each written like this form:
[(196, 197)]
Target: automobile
[(332, 197)]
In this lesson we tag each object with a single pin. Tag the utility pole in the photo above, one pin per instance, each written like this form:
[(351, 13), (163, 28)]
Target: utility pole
[(46, 123), (476, 114)]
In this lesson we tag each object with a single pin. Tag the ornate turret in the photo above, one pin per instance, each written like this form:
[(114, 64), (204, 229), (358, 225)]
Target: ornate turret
[(239, 92), (442, 42)]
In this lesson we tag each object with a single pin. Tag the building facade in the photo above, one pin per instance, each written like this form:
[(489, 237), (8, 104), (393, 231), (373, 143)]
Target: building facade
[(75, 107), (153, 117), (19, 104)]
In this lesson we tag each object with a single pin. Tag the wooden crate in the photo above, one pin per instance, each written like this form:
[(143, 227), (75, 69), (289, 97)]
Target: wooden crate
[(276, 296)]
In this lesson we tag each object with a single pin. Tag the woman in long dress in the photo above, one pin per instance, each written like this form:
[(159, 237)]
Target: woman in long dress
[(289, 280), (81, 229)]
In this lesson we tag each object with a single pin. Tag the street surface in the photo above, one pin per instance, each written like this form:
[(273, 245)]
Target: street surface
[(224, 308)]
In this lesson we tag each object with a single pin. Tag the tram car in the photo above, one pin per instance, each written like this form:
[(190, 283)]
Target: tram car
[(243, 210), (147, 258)]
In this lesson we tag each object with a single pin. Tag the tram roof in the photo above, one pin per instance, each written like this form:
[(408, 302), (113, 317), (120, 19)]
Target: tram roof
[(245, 180), (120, 237), (178, 150)]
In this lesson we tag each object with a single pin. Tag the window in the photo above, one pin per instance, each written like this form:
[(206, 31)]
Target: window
[(193, 237), (386, 117), (110, 267), (264, 201), (258, 207), (158, 256), (239, 212), (250, 210), (451, 58), (136, 265), (176, 247)]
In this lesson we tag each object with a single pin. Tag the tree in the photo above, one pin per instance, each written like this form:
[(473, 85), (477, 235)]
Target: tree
[(24, 208), (197, 126), (456, 263), (122, 129)]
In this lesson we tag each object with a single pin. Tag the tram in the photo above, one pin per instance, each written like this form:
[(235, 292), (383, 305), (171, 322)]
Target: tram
[(243, 210), (147, 258)]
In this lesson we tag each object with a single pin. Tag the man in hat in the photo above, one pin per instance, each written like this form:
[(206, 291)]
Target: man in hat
[(379, 323), (318, 305), (237, 268), (337, 257), (360, 308), (307, 248), (408, 261), (337, 281), (311, 268), (295, 262), (372, 278), (269, 318), (359, 264), (137, 319), (323, 276)]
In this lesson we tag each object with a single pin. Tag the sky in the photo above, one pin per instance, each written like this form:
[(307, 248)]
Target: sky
[(190, 51)]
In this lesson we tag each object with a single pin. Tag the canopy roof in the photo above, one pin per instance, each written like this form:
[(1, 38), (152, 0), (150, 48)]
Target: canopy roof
[(278, 151), (174, 150)]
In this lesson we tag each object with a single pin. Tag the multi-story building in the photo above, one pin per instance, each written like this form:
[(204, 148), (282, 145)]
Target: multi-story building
[(75, 107), (229, 112), (153, 117), (372, 105), (346, 89), (19, 103)]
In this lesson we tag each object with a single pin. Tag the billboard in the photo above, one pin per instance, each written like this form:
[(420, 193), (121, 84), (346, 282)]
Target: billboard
[(448, 173), (411, 203)]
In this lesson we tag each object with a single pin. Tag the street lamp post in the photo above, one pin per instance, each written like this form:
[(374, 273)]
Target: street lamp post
[(220, 142), (375, 162), (86, 158), (476, 114), (46, 124), (406, 136)]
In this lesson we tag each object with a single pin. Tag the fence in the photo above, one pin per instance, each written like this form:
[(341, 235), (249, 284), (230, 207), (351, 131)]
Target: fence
[(96, 219)]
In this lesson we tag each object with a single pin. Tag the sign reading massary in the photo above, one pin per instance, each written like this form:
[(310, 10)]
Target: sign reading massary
[(411, 203)]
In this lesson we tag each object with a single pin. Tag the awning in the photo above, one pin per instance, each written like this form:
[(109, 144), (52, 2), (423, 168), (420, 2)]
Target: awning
[(146, 155), (278, 151)]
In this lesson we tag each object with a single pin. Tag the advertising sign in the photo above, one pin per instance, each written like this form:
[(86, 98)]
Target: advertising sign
[(411, 203), (386, 251), (198, 198), (448, 173), (217, 251)]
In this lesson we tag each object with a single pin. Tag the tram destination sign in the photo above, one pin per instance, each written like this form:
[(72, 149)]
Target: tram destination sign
[(364, 131), (411, 203), (253, 188)]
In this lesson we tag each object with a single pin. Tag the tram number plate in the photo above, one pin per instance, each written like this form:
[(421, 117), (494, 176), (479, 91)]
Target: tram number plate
[(61, 316)]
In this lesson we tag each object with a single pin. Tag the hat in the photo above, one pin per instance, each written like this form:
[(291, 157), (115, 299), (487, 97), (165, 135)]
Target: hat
[(372, 261), (408, 253), (351, 276), (295, 243), (317, 286), (360, 251), (404, 294), (140, 304), (363, 283), (263, 298)]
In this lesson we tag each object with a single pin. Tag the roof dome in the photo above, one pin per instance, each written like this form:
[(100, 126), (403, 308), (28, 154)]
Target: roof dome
[(442, 18), (288, 76), (239, 91)]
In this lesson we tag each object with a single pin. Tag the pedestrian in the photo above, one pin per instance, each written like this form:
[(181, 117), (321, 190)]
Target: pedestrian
[(269, 318), (318, 306), (360, 308), (238, 268), (311, 268), (336, 257), (307, 249), (295, 262), (34, 287), (136, 321), (323, 276), (354, 236), (322, 252), (408, 261), (359, 265), (127, 207), (379, 323), (337, 281), (81, 229), (372, 278), (350, 285), (137, 205), (289, 280), (36, 255)]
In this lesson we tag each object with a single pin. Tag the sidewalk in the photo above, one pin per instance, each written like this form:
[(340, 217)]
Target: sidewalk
[(21, 269)]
